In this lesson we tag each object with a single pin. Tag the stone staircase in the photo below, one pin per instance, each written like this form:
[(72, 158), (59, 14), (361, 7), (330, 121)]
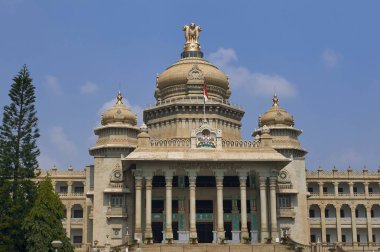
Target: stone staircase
[(210, 247)]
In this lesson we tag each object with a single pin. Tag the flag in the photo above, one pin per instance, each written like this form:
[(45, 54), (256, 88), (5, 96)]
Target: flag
[(205, 94)]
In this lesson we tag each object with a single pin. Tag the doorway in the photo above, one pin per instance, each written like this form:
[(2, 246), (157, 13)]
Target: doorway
[(204, 231)]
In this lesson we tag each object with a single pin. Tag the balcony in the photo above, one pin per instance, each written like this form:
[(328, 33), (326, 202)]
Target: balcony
[(76, 221), (330, 220), (287, 188), (286, 212), (346, 220), (315, 220), (116, 212)]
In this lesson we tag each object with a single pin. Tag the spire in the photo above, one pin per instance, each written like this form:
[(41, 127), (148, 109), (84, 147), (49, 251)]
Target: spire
[(275, 100), (192, 47), (119, 98)]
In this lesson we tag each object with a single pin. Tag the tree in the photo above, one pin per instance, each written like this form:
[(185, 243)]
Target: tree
[(18, 161), (43, 224)]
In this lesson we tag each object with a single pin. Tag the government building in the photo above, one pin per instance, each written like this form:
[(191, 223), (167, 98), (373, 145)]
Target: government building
[(186, 180)]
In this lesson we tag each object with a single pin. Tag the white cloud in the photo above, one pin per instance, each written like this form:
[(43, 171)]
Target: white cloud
[(88, 87), (329, 58), (259, 84), (52, 84), (61, 142), (134, 108)]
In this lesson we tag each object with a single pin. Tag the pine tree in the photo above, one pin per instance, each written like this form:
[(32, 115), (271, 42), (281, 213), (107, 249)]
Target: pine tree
[(18, 161), (43, 223)]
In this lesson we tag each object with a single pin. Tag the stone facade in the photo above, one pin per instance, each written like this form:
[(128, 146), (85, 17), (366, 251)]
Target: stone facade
[(187, 177)]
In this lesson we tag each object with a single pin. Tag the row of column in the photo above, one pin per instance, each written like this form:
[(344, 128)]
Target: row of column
[(351, 188), (219, 176), (338, 223)]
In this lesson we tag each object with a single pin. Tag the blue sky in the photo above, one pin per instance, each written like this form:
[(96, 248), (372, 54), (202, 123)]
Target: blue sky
[(321, 57)]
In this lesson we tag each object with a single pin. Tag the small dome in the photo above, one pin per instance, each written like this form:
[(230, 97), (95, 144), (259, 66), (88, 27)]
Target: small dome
[(276, 116), (119, 114)]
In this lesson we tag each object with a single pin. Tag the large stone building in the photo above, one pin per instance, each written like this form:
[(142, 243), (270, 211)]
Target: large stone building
[(187, 176)]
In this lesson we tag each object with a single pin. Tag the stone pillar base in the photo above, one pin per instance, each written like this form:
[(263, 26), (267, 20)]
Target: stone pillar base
[(264, 236), (214, 237), (138, 237), (254, 236), (183, 236), (235, 236)]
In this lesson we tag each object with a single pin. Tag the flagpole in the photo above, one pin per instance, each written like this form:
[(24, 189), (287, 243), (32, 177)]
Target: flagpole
[(204, 110)]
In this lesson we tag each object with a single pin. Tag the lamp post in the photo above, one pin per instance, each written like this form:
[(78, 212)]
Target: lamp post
[(56, 245)]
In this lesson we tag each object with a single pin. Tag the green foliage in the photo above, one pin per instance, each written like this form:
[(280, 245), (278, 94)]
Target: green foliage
[(43, 223), (18, 161), (19, 132)]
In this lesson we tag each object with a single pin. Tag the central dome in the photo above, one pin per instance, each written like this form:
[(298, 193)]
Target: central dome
[(187, 76)]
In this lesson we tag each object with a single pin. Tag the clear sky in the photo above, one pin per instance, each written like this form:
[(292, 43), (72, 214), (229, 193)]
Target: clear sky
[(321, 57)]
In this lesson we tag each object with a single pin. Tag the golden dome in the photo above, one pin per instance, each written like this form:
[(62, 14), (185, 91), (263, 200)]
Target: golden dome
[(276, 116), (193, 70), (119, 114)]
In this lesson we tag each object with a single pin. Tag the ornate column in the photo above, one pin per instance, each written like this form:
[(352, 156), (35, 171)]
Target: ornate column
[(138, 187), (366, 192), (68, 220), (148, 210), (192, 187), (219, 175), (369, 224), (336, 189), (338, 224), (353, 223), (322, 208), (263, 205), (273, 207), (320, 188), (168, 204), (69, 188), (243, 204), (351, 186)]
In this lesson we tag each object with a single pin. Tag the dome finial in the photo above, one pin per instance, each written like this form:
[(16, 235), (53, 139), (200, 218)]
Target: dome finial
[(275, 100), (119, 98), (192, 47)]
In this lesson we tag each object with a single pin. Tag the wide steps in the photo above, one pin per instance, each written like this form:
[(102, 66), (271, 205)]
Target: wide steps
[(209, 247)]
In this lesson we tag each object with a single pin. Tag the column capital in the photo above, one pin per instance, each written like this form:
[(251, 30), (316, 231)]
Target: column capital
[(336, 183), (350, 183), (192, 173), (273, 180), (169, 173), (242, 172), (69, 183), (138, 173), (262, 182), (219, 173), (322, 206), (148, 174), (320, 183), (365, 183)]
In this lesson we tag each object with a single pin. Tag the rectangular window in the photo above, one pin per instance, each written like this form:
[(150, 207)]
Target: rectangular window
[(326, 213), (328, 238), (340, 189), (116, 200), (284, 201), (311, 213), (78, 189), (373, 238), (342, 213), (312, 238), (78, 213), (63, 189), (355, 189), (370, 189), (358, 238), (343, 238), (356, 213), (372, 213), (77, 239), (310, 189), (325, 189)]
